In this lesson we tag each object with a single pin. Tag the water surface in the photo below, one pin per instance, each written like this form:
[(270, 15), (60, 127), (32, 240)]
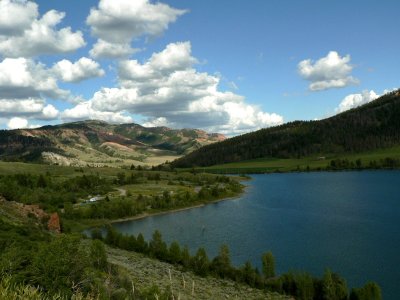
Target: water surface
[(347, 221)]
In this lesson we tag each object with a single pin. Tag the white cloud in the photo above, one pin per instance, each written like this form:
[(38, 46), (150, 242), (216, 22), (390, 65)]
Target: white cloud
[(175, 57), (82, 69), (84, 111), (17, 123), (103, 49), (114, 99), (21, 107), (169, 91), (23, 84), (49, 112), (355, 100), (16, 16), (22, 34), (328, 72), (23, 78), (121, 20), (28, 108), (117, 22), (157, 122)]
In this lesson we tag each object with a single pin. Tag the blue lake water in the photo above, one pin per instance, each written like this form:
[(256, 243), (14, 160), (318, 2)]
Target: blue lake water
[(346, 221)]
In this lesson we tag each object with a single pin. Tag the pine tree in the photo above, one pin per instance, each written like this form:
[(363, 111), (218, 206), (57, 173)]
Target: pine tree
[(200, 262), (268, 265)]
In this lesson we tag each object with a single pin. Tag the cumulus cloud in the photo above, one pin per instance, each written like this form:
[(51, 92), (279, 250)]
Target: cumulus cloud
[(157, 122), (22, 34), (117, 22), (175, 57), (168, 91), (122, 20), (355, 100), (49, 112), (84, 111), (16, 16), (17, 123), (28, 108), (23, 84), (332, 71), (23, 78), (21, 107), (103, 49), (82, 69)]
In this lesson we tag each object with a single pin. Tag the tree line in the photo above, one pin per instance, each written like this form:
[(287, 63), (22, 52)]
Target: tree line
[(50, 192), (300, 285)]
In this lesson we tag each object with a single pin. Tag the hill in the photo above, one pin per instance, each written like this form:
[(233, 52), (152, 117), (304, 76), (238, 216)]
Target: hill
[(98, 143), (369, 127)]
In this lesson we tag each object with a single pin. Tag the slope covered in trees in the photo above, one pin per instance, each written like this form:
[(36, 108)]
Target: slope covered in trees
[(369, 127)]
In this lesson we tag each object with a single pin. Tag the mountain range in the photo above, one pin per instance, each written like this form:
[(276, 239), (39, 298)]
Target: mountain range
[(97, 143)]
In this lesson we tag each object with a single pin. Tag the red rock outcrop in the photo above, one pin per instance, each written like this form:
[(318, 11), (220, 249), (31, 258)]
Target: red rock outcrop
[(54, 223)]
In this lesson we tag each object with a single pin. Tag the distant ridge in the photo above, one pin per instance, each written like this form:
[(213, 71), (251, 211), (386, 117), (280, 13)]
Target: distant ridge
[(97, 143), (375, 125)]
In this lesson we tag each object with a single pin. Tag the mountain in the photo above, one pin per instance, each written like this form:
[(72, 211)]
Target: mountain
[(98, 143), (375, 125)]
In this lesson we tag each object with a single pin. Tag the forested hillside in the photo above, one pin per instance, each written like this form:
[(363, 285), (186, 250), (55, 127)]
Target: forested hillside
[(375, 125)]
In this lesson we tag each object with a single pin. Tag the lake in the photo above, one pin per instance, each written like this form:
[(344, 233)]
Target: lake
[(346, 221)]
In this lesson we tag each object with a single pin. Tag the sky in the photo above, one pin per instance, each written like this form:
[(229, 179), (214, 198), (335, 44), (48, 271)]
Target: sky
[(224, 66)]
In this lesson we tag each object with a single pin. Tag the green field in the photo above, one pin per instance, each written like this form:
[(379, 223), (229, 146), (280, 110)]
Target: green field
[(9, 168), (320, 162)]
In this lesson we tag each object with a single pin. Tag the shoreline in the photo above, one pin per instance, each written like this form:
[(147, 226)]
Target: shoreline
[(146, 215), (245, 171)]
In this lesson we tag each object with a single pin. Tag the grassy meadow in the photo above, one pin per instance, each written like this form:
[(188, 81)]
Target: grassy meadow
[(320, 162)]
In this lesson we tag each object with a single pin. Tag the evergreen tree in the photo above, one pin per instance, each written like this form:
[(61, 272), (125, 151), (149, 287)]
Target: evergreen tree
[(142, 246), (157, 247), (328, 292), (174, 253), (200, 262), (333, 287), (268, 265), (186, 257), (221, 264), (248, 274), (370, 291)]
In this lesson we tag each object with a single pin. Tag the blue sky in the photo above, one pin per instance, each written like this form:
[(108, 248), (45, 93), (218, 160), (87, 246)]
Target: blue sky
[(226, 66)]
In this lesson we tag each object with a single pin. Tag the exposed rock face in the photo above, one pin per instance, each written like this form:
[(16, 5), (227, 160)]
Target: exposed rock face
[(54, 223), (34, 210)]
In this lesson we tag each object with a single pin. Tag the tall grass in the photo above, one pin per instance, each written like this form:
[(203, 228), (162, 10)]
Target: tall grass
[(13, 291)]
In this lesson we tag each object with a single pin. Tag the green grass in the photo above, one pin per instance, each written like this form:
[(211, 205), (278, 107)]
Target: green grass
[(266, 165), (10, 168)]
